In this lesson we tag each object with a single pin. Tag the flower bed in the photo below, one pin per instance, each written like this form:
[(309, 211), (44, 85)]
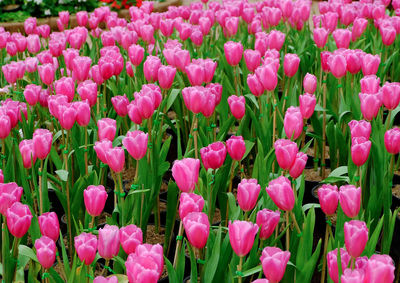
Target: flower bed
[(216, 142)]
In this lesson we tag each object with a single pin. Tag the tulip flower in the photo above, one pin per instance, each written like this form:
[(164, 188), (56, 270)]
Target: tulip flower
[(247, 194), (120, 104), (370, 84), (274, 261), (342, 38), (233, 52), (328, 196), (10, 193), (31, 64), (101, 148), (307, 105), (18, 218), (337, 65), (166, 75), (352, 276), (360, 148), (370, 64), (197, 228), (255, 85), (281, 193), (252, 59), (276, 39), (267, 220), (150, 68), (388, 34), (11, 48), (130, 237), (110, 279), (88, 91), (392, 141), (359, 26), (291, 64), (82, 18), (320, 37), (65, 86), (236, 147), (95, 198), (370, 104), (355, 237), (241, 236), (380, 268), (285, 151), (27, 152), (49, 225), (188, 203), (116, 159), (42, 140), (108, 243), (33, 43), (353, 61), (195, 74), (332, 261), (231, 26), (293, 121), (46, 73), (5, 126), (360, 129), (81, 67), (107, 129), (136, 144), (153, 251), (86, 247), (310, 83), (45, 251), (268, 76), (298, 166), (186, 173), (31, 94), (350, 200), (82, 112), (213, 155), (390, 95), (237, 106)]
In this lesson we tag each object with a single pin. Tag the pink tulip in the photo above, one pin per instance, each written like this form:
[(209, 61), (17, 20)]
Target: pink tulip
[(332, 263), (293, 122), (267, 220), (213, 156), (281, 193), (360, 129), (324, 60), (291, 64), (350, 200), (67, 116), (153, 251), (27, 152), (46, 73), (166, 75), (285, 151), (116, 159), (360, 149), (49, 225), (236, 147), (195, 74), (108, 243), (390, 95), (42, 140), (186, 173), (276, 39), (95, 198), (190, 202), (359, 26), (320, 37), (130, 237), (255, 85), (106, 68), (241, 236), (355, 237), (252, 59), (31, 93), (82, 112), (380, 268), (337, 65), (352, 276), (307, 105), (31, 64), (33, 43), (370, 64), (328, 196), (353, 61), (370, 84), (110, 279), (231, 26), (81, 67), (237, 106), (129, 69), (87, 90), (247, 194), (11, 48), (86, 247), (136, 144), (167, 27), (64, 17), (392, 140), (56, 46), (10, 193), (65, 86), (274, 262), (261, 281), (310, 83), (30, 25), (370, 104), (298, 166), (233, 52), (388, 34), (120, 104), (342, 38), (150, 68), (45, 251), (18, 219), (101, 148), (268, 77), (182, 59), (82, 18), (107, 128), (197, 228)]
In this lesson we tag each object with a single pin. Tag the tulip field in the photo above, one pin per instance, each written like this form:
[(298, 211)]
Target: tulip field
[(227, 141)]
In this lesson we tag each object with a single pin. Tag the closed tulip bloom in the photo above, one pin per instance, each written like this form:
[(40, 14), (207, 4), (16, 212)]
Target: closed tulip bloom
[(33, 43), (82, 18), (370, 64), (353, 62), (310, 83), (182, 59), (390, 95), (46, 73), (81, 68), (136, 144), (27, 152), (130, 236), (87, 90), (10, 193), (190, 202), (213, 155), (31, 93), (360, 149), (291, 64), (42, 140), (281, 193), (285, 151), (370, 84), (298, 166), (120, 104), (56, 46), (186, 173), (95, 198), (392, 141), (166, 75), (268, 77), (67, 116), (267, 220), (116, 159), (11, 48), (388, 34), (233, 52), (252, 59), (332, 263), (293, 122), (350, 200), (324, 60), (64, 17), (86, 247), (110, 279), (237, 105), (307, 105), (101, 148), (105, 70), (236, 147), (146, 264), (150, 68), (355, 237), (49, 225), (155, 252), (31, 64), (342, 38), (195, 74), (197, 228), (18, 218), (359, 26), (107, 128), (82, 112), (337, 65), (352, 276), (370, 104), (274, 261), (45, 251), (108, 243), (380, 268), (360, 129), (276, 39), (328, 196), (247, 194), (320, 37), (241, 236), (231, 26), (65, 86), (255, 85)]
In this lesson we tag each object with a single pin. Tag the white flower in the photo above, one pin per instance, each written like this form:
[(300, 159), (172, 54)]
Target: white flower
[(47, 12)]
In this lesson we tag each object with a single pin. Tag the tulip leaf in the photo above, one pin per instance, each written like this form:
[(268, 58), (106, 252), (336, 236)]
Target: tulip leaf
[(212, 263), (370, 248), (252, 271), (193, 263), (249, 147), (63, 174), (28, 252), (172, 97)]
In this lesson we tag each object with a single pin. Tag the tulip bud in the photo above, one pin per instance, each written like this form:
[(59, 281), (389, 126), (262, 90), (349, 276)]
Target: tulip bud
[(267, 220), (388, 34), (293, 122), (332, 263), (195, 74), (342, 38), (241, 236), (33, 43), (130, 237), (391, 95), (285, 151), (370, 64), (328, 196), (247, 194), (213, 156), (370, 84), (320, 37), (10, 193), (46, 73), (18, 219), (236, 147), (116, 159), (255, 85), (42, 140), (31, 94), (82, 18), (355, 237), (233, 52), (95, 198), (86, 247), (186, 173), (337, 65), (281, 193), (27, 152), (360, 149), (120, 104), (307, 105), (45, 251), (268, 76), (166, 75), (65, 86), (252, 59), (150, 68), (350, 200), (188, 203), (370, 104), (108, 243), (197, 228), (291, 64), (49, 225), (310, 83), (392, 141), (274, 261)]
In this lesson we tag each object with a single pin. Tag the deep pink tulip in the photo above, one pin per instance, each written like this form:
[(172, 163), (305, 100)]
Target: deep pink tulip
[(231, 26), (107, 128), (332, 263), (307, 105), (353, 61), (31, 64), (370, 84), (380, 268), (44, 30), (101, 148), (45, 251), (69, 55), (391, 95), (237, 105), (360, 129), (46, 73), (197, 228), (11, 48), (67, 116), (274, 262), (42, 140), (268, 76), (106, 69), (360, 149), (276, 39), (65, 86), (213, 155), (167, 27), (392, 141), (82, 18), (236, 147), (181, 59), (196, 74), (116, 159), (388, 34), (352, 276), (355, 237), (81, 68), (186, 173), (130, 236), (247, 194), (30, 25), (298, 166), (56, 46), (293, 122), (133, 113), (166, 75), (252, 59), (233, 52), (197, 37), (155, 252), (281, 193), (241, 236), (291, 64), (64, 17), (337, 65), (31, 93), (328, 196), (285, 151), (324, 60), (95, 198), (255, 85), (136, 144), (205, 25), (194, 98), (359, 26), (150, 68), (82, 112), (27, 152), (110, 279), (129, 69), (49, 225), (120, 104), (350, 200), (10, 193), (267, 220), (190, 202), (87, 90), (310, 83), (86, 247), (108, 243), (18, 219), (370, 104), (342, 38), (370, 64), (33, 43)]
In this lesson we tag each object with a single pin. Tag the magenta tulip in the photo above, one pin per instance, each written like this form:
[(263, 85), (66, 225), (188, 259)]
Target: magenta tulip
[(88, 91), (197, 228), (360, 129), (380, 268), (45, 251), (236, 147), (252, 59), (337, 65), (150, 68), (166, 75), (350, 200), (65, 86), (370, 104), (291, 64), (293, 122), (355, 237), (107, 129), (188, 203), (320, 37), (241, 236), (120, 104), (82, 18), (42, 140), (285, 151), (328, 196), (392, 141), (255, 85), (391, 95), (186, 174), (31, 93), (360, 148), (116, 159), (307, 105), (82, 112), (136, 144), (267, 220), (342, 38), (268, 76), (33, 43), (27, 152), (388, 34), (49, 225), (110, 279), (95, 199), (370, 64), (108, 243), (237, 105), (130, 237), (352, 276), (370, 84), (310, 83), (274, 261), (18, 218), (247, 194), (81, 68), (46, 73), (298, 166), (281, 193), (155, 252), (86, 247), (213, 155), (10, 193), (332, 263), (233, 52)]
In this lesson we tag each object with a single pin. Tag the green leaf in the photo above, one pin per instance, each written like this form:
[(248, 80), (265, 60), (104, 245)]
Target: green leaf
[(28, 252), (171, 97), (212, 263), (63, 174)]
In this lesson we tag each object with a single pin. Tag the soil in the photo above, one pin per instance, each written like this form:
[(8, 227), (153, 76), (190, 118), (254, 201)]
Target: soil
[(155, 238), (314, 175), (396, 191), (311, 152)]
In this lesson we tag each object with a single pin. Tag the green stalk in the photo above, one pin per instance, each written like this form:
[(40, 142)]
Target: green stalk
[(86, 150), (40, 187), (239, 269)]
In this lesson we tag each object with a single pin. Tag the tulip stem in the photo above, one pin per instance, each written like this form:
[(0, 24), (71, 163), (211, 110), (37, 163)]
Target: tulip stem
[(3, 152), (178, 243), (388, 119), (323, 129), (287, 231), (91, 224), (15, 255), (229, 190), (86, 150), (68, 197), (105, 267), (286, 95), (195, 122), (324, 255), (296, 225), (40, 187), (87, 274), (239, 269), (149, 122)]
